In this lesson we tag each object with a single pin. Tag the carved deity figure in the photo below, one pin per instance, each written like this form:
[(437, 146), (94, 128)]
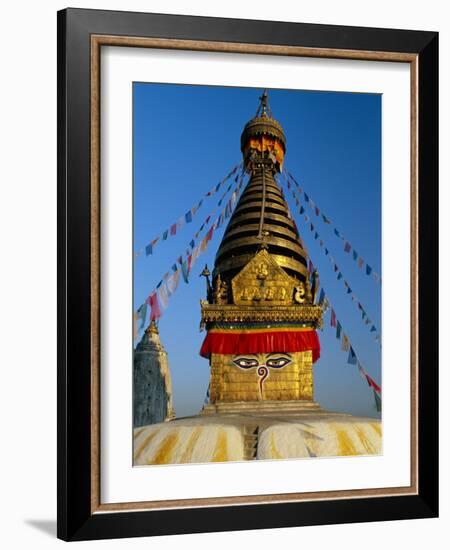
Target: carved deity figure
[(221, 291)]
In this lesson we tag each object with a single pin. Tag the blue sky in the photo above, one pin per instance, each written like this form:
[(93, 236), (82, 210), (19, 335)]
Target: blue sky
[(186, 139)]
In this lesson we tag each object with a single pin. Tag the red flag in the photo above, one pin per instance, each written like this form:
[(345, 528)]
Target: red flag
[(173, 229), (372, 383), (209, 234), (153, 302), (333, 318)]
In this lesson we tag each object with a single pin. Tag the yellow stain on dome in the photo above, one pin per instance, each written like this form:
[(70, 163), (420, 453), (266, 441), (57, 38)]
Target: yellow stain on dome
[(165, 451), (273, 447), (365, 441), (220, 452), (144, 445), (377, 427), (345, 443), (192, 442)]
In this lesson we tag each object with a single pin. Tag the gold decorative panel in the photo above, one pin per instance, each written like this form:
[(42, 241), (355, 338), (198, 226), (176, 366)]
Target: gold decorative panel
[(230, 383), (263, 281)]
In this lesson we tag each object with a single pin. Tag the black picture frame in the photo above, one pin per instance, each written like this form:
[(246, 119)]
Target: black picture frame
[(76, 521)]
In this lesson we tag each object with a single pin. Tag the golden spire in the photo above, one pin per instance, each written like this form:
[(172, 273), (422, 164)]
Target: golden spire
[(262, 218)]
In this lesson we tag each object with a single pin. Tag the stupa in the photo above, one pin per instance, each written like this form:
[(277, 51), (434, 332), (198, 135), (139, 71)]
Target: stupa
[(261, 318)]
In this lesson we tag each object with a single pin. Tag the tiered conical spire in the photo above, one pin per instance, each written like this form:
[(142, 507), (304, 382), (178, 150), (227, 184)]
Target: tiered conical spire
[(261, 218)]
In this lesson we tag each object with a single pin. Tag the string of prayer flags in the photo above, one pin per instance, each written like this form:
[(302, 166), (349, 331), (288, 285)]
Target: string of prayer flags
[(340, 277), (352, 358), (314, 208), (188, 216), (159, 298), (373, 385)]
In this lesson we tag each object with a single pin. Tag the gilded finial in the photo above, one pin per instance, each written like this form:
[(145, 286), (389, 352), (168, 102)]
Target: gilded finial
[(263, 107), (152, 328)]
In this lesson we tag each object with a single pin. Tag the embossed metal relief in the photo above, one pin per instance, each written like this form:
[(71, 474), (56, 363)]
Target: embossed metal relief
[(263, 281)]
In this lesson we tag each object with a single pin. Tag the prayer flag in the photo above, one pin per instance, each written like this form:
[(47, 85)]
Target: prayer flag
[(154, 305), (339, 277), (355, 255), (372, 383), (142, 314), (373, 328), (306, 197), (316, 235), (360, 263), (351, 357), (185, 271), (337, 233), (302, 210), (173, 229), (188, 216), (362, 372), (338, 330), (368, 269), (163, 297), (333, 318), (321, 296), (192, 243), (325, 219), (345, 343), (172, 283), (149, 247), (377, 401), (317, 211), (347, 247), (165, 235)]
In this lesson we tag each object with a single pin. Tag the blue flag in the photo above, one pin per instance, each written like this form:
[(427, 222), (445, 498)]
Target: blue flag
[(321, 296), (351, 357)]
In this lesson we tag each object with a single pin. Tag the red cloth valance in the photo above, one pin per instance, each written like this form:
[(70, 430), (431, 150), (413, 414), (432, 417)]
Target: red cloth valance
[(237, 343)]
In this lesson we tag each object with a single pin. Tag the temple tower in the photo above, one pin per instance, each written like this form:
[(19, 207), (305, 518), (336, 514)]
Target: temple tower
[(260, 314), (152, 386)]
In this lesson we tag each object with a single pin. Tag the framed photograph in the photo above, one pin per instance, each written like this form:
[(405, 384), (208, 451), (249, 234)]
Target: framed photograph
[(247, 255)]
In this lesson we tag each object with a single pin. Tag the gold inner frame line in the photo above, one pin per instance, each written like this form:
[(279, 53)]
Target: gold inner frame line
[(97, 41)]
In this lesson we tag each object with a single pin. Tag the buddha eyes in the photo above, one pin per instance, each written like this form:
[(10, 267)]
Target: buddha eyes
[(250, 362), (277, 362), (246, 362)]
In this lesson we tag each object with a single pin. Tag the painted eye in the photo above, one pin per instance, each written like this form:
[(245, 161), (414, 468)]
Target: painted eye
[(245, 362), (278, 362)]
